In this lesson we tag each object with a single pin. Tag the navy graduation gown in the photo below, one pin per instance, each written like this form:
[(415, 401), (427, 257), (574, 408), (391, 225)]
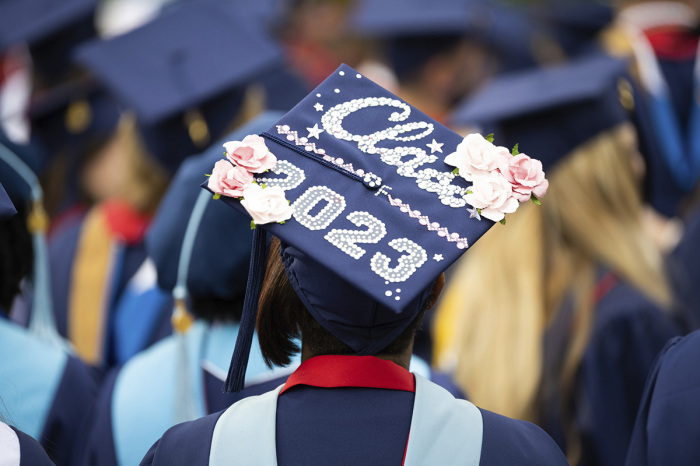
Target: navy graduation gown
[(45, 392), (684, 263), (353, 422), (667, 428), (628, 331)]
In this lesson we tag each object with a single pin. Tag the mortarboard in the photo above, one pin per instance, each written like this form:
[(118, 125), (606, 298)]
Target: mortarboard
[(51, 28), (414, 30), (183, 74), (575, 23), (550, 111), (74, 114), (7, 209), (378, 214)]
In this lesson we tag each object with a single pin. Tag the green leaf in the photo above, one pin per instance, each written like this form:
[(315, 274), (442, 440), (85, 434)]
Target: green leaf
[(206, 174), (455, 171), (503, 221), (264, 186), (282, 223), (489, 138), (252, 224), (534, 199), (469, 192), (217, 196), (515, 150)]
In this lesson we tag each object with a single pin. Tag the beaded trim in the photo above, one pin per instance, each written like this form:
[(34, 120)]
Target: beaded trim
[(442, 232)]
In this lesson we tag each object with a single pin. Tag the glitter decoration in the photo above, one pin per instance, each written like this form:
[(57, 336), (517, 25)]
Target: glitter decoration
[(346, 240), (443, 232), (335, 204), (407, 264), (407, 159)]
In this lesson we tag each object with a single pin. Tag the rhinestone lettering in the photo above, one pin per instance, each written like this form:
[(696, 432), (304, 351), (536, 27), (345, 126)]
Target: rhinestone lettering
[(335, 204), (346, 240), (407, 264)]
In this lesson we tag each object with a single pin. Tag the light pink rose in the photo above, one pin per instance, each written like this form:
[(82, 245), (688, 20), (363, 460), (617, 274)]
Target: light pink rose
[(525, 175), (493, 195), (251, 154), (228, 179), (475, 156), (266, 205)]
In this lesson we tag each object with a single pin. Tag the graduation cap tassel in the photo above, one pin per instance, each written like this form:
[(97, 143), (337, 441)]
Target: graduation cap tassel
[(239, 361)]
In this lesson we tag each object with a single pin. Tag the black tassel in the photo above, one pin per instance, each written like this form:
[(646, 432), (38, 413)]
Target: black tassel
[(239, 361)]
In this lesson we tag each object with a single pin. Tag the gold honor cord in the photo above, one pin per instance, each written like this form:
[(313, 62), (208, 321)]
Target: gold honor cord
[(90, 287)]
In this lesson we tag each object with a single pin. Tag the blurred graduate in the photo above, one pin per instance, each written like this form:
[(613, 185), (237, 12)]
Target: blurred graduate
[(44, 391), (179, 93), (569, 341), (341, 181)]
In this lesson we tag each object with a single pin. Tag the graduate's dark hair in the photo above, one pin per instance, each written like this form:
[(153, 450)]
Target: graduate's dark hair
[(16, 257), (282, 319)]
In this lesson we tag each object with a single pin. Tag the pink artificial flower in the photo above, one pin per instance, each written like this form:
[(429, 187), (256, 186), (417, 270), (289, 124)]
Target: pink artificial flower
[(266, 205), (251, 154), (525, 175), (475, 156), (228, 179), (492, 194)]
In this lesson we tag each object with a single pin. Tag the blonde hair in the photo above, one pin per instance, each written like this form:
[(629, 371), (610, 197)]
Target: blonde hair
[(492, 321)]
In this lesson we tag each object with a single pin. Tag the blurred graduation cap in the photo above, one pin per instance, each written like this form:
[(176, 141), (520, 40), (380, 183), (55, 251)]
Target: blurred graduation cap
[(74, 115), (551, 111), (183, 74), (18, 176), (7, 209), (575, 24), (51, 28), (414, 30), (377, 213)]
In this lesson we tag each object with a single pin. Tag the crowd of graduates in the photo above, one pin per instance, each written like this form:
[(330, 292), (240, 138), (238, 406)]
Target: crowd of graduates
[(122, 281)]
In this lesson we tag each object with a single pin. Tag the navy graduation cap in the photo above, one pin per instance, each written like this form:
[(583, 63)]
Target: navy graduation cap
[(183, 74), (363, 195), (550, 111), (51, 28)]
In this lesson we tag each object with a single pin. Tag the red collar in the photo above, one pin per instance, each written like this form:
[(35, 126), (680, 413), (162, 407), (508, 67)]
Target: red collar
[(351, 371)]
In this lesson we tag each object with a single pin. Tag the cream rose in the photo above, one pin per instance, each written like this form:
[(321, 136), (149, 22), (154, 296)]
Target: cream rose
[(525, 176), (492, 194), (475, 156), (251, 154), (228, 179), (266, 205)]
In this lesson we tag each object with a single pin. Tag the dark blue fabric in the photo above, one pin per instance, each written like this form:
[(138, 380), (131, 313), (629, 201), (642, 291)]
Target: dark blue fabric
[(31, 453), (62, 247), (628, 331), (315, 426), (680, 76), (95, 446), (7, 209), (685, 264), (667, 428), (217, 400), (73, 400), (186, 444), (510, 442)]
